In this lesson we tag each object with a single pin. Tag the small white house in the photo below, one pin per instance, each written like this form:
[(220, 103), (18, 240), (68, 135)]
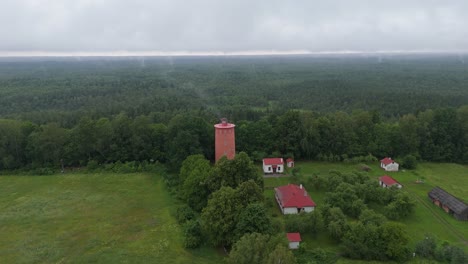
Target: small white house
[(293, 199), (294, 240), (389, 165), (290, 163), (387, 182), (273, 165)]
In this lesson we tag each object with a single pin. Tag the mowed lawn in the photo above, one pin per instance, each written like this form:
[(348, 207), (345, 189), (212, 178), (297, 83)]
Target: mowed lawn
[(427, 219), (91, 218)]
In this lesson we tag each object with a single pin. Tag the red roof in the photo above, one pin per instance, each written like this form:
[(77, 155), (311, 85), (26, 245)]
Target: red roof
[(289, 160), (273, 161), (294, 237), (389, 181), (387, 161), (292, 195)]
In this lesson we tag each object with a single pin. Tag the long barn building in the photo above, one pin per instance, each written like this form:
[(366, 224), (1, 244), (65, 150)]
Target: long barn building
[(449, 203)]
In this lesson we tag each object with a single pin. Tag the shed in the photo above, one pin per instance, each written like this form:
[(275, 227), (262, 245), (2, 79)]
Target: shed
[(294, 240), (387, 181), (449, 203), (290, 163), (273, 165)]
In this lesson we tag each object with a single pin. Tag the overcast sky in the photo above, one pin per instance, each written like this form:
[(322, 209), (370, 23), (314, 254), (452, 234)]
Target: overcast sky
[(238, 26)]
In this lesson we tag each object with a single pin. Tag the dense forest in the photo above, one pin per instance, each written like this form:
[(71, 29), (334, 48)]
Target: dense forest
[(144, 110)]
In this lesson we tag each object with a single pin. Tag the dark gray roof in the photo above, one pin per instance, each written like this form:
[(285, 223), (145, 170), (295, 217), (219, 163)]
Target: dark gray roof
[(452, 202)]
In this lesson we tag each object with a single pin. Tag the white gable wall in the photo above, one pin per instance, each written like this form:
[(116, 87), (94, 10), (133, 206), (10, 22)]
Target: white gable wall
[(269, 168), (391, 167), (293, 245)]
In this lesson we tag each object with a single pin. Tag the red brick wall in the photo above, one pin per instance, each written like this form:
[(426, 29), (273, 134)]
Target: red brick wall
[(225, 143)]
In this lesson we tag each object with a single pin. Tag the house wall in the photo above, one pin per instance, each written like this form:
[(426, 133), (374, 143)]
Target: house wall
[(290, 210), (269, 168), (280, 168), (265, 169), (293, 245), (309, 209), (462, 217), (291, 164), (391, 167)]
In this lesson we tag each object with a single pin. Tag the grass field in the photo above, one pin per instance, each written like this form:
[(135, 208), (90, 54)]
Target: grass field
[(427, 217), (91, 218)]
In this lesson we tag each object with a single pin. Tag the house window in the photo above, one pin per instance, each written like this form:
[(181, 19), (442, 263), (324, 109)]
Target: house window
[(269, 168)]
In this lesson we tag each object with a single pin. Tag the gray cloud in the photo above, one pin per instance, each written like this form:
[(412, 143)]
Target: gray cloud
[(232, 26)]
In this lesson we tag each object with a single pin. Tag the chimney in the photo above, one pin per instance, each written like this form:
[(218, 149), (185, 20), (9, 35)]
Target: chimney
[(224, 121), (300, 186)]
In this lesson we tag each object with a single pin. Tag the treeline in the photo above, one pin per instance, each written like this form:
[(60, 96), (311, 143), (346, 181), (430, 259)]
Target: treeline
[(439, 135), (433, 135)]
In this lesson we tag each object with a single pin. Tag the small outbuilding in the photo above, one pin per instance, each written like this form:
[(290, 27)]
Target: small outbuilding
[(387, 182), (294, 240), (388, 164), (449, 203), (290, 163), (273, 165), (293, 199)]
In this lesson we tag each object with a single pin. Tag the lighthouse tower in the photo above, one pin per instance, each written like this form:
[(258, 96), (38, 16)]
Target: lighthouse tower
[(225, 144)]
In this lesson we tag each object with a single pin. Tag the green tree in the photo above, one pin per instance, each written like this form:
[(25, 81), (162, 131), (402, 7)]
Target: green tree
[(395, 239), (234, 172), (409, 162), (219, 217), (192, 234), (337, 224), (315, 221), (289, 131), (426, 248), (281, 255), (46, 145), (250, 248), (254, 219), (222, 214), (368, 217), (401, 207)]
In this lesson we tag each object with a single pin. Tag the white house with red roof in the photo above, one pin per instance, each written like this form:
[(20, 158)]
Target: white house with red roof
[(388, 164), (290, 163), (387, 182), (294, 240), (273, 165), (293, 199)]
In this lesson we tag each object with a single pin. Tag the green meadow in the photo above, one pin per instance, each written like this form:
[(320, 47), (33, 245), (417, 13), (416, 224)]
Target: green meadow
[(91, 218)]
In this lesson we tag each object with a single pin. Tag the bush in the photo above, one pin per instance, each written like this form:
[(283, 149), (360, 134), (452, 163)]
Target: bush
[(192, 234), (409, 162), (296, 223), (92, 165), (426, 248), (184, 213)]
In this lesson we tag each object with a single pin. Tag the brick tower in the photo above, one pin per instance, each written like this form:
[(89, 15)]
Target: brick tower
[(225, 143)]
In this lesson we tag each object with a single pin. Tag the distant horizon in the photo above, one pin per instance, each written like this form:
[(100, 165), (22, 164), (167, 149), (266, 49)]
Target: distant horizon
[(220, 53)]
